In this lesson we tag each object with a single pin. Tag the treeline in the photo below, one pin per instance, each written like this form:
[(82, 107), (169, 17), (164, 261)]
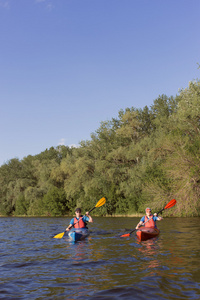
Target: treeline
[(145, 157)]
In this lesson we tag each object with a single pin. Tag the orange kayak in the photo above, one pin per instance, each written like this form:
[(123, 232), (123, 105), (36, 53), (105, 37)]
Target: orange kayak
[(145, 233)]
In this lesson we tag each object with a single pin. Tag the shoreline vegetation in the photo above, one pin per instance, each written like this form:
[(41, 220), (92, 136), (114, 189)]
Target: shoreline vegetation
[(143, 158), (139, 215), (71, 216)]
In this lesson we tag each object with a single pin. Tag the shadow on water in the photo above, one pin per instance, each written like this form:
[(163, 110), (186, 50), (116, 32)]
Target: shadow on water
[(104, 266)]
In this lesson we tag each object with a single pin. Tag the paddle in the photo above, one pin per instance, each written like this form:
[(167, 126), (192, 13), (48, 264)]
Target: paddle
[(169, 205), (99, 203)]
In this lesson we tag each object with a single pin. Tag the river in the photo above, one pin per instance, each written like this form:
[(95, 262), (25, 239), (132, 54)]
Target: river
[(34, 265)]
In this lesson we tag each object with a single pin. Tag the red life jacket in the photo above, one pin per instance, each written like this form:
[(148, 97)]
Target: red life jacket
[(150, 223), (79, 224)]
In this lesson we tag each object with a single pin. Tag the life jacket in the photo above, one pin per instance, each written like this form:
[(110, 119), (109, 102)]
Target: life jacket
[(150, 223), (80, 223)]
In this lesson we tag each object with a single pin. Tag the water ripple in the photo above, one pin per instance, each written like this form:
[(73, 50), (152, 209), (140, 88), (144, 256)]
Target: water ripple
[(33, 265)]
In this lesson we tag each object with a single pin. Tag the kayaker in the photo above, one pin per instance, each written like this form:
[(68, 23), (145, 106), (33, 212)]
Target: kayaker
[(79, 221), (152, 219)]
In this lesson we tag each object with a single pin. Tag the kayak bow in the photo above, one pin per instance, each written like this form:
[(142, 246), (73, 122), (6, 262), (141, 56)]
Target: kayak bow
[(146, 233), (78, 234)]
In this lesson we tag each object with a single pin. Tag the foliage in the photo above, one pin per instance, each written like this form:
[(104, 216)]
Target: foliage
[(145, 157), (54, 202)]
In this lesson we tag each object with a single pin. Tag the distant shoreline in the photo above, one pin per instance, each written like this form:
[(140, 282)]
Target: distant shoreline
[(139, 215), (71, 216)]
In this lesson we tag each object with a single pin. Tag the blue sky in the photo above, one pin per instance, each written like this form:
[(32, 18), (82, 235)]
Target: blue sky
[(67, 65)]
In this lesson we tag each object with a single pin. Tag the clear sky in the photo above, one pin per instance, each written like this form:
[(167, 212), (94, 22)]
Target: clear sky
[(67, 65)]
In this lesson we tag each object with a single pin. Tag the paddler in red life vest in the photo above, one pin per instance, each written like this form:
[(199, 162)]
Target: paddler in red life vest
[(81, 221), (152, 219)]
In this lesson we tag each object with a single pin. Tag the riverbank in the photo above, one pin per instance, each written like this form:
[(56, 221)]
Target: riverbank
[(71, 216), (135, 215)]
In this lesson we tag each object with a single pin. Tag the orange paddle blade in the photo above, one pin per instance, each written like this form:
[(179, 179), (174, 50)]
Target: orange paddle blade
[(125, 235), (170, 204)]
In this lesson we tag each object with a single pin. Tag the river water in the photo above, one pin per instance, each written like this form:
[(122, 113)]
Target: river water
[(34, 265)]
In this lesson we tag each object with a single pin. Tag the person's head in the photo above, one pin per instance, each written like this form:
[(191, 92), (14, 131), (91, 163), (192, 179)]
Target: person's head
[(78, 211), (148, 211)]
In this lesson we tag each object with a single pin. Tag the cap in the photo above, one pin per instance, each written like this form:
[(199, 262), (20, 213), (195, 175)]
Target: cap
[(149, 209)]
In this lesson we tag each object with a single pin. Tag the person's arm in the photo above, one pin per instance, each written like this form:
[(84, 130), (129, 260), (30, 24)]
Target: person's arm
[(140, 223), (158, 218), (70, 225), (89, 217)]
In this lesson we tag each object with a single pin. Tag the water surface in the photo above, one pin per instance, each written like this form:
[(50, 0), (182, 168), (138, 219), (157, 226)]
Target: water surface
[(33, 265)]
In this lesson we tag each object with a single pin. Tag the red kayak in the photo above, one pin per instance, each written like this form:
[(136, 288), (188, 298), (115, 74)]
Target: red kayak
[(145, 233)]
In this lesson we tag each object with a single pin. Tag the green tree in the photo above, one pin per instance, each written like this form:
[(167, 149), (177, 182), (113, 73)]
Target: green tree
[(54, 202)]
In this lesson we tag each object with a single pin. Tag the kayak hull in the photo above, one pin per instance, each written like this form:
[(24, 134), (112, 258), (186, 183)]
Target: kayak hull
[(146, 233), (78, 234)]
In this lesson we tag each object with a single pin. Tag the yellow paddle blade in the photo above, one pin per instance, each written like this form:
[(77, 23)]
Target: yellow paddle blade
[(101, 202), (59, 236)]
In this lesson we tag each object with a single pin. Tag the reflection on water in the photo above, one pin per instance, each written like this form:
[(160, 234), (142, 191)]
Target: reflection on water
[(104, 266)]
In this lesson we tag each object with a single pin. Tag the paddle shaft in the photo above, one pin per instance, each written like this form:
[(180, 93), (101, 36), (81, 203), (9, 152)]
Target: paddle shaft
[(160, 211)]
